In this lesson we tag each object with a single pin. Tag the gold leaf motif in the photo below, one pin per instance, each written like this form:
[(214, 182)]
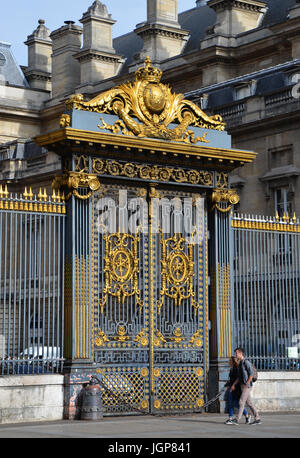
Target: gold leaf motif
[(147, 172), (76, 180), (199, 372), (147, 107), (101, 338), (121, 337), (157, 404), (196, 339), (144, 404), (144, 372), (178, 336), (156, 372), (141, 338), (177, 271), (200, 402), (228, 196), (121, 269), (65, 120)]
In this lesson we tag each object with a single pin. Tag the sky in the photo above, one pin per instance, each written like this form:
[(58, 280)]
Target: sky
[(18, 18)]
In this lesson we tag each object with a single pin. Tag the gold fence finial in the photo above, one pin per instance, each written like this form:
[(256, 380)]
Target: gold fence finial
[(54, 196)]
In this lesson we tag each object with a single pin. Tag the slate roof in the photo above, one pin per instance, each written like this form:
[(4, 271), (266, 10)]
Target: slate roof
[(196, 21), (277, 11), (10, 71)]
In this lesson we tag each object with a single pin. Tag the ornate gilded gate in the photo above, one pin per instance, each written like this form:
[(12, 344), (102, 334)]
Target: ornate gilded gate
[(142, 169), (150, 314)]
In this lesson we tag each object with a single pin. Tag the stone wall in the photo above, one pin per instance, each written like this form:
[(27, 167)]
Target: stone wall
[(28, 398), (277, 391)]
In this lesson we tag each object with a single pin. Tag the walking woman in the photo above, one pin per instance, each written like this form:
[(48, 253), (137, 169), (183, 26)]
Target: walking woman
[(234, 396)]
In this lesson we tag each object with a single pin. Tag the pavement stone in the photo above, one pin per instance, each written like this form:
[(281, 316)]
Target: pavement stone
[(153, 428)]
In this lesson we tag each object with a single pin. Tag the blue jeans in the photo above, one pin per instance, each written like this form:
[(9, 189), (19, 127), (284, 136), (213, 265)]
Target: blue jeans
[(234, 402)]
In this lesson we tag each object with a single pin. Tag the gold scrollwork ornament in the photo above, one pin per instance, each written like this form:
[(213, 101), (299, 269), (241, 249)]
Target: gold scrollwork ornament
[(101, 339), (141, 338), (226, 196), (75, 181), (177, 271), (146, 108), (121, 268), (65, 121)]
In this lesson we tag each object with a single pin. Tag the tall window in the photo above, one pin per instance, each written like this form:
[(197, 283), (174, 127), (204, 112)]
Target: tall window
[(283, 201)]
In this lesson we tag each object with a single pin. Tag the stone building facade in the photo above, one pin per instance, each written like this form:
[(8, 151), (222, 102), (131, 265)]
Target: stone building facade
[(236, 58)]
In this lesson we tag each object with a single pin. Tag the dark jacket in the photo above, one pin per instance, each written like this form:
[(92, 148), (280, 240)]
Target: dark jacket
[(233, 375)]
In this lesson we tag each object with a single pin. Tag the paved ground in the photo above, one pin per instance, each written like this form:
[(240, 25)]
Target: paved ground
[(277, 425)]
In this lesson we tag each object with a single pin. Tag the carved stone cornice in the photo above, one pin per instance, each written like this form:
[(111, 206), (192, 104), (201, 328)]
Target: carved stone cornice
[(157, 29), (91, 54), (249, 5), (37, 75)]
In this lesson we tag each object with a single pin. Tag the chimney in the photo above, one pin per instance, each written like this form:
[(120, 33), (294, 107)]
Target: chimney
[(162, 34), (237, 16), (38, 72), (97, 58), (65, 68)]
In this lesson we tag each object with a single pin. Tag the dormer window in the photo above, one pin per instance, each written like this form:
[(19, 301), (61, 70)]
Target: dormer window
[(244, 90)]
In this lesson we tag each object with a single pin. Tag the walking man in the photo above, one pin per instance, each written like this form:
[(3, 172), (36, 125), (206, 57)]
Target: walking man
[(245, 379)]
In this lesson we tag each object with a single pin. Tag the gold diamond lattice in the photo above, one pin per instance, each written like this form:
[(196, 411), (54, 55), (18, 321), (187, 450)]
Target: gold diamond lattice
[(123, 389), (179, 390)]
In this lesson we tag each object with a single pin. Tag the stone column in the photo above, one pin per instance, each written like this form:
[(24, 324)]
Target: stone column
[(221, 307), (78, 292), (97, 58), (38, 72), (65, 68), (162, 35), (234, 17)]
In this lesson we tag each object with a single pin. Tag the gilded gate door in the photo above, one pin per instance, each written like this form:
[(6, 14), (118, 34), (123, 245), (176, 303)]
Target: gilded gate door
[(150, 323), (179, 350)]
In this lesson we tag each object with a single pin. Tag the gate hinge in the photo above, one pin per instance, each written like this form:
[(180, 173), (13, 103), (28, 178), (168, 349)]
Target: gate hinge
[(208, 281), (208, 235)]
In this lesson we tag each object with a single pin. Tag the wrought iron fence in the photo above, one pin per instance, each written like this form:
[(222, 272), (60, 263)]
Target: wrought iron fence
[(266, 319), (31, 282)]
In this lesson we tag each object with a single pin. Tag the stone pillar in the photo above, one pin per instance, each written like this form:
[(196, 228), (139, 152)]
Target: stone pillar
[(234, 17), (78, 281), (78, 312), (221, 292), (162, 34), (38, 72), (97, 58), (65, 68)]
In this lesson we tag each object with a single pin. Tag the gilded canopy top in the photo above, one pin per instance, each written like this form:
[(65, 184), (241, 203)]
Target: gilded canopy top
[(146, 108)]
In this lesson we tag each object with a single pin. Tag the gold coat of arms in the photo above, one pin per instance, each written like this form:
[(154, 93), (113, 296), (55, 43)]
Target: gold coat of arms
[(147, 107)]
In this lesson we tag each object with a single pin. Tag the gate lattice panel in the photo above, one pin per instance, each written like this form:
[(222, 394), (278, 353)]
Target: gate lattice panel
[(150, 323)]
